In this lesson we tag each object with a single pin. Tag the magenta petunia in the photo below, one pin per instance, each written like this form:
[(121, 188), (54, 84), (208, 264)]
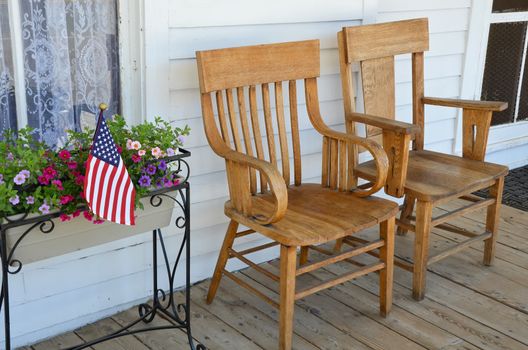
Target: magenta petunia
[(58, 184), (136, 158), (64, 217), (43, 180), (87, 215), (66, 199), (72, 165), (64, 155), (49, 172)]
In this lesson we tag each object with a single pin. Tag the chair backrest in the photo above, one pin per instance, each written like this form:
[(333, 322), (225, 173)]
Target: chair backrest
[(227, 73), (374, 47)]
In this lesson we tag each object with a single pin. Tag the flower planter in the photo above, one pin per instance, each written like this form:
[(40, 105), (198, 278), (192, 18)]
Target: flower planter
[(79, 233)]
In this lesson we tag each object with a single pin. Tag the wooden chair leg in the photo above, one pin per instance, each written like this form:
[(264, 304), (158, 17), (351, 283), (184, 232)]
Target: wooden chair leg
[(387, 256), (338, 245), (421, 247), (492, 221), (288, 257), (407, 210), (222, 260), (303, 259)]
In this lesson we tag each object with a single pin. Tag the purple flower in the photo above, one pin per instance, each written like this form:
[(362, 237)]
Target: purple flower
[(30, 200), (170, 152), (167, 182), (44, 208), (159, 183), (14, 200), (10, 156), (1, 179), (181, 139), (144, 181), (162, 165), (19, 179), (25, 173), (150, 169)]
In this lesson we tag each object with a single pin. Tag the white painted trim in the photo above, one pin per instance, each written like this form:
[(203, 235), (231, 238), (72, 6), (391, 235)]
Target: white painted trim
[(519, 86), (17, 46), (475, 52), (156, 53), (507, 17), (130, 37), (370, 11)]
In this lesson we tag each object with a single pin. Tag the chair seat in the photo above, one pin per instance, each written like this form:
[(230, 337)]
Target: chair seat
[(432, 176), (316, 215)]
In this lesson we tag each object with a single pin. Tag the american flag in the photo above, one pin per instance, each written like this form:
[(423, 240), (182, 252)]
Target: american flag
[(107, 186)]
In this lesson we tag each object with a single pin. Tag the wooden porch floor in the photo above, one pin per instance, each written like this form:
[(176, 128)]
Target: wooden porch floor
[(468, 306)]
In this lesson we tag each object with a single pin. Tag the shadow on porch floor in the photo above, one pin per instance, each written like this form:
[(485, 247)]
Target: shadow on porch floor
[(468, 306)]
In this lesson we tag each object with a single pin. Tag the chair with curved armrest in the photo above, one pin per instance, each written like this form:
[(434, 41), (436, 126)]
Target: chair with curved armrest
[(425, 177), (265, 200)]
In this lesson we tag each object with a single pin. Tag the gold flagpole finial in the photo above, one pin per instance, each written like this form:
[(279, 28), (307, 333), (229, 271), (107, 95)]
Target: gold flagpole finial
[(103, 106)]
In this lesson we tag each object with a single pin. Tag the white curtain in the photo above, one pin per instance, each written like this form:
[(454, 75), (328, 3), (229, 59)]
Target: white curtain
[(71, 63), (7, 90)]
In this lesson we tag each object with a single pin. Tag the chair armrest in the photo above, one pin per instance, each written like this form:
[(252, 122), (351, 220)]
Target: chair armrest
[(238, 165), (384, 123), (476, 121), (375, 149), (493, 106)]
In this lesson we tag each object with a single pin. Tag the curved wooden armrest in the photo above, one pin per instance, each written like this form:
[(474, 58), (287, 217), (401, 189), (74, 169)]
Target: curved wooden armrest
[(384, 123), (238, 176), (493, 106), (374, 148)]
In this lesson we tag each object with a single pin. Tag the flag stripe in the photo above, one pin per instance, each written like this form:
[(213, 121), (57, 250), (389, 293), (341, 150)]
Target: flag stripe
[(95, 182), (87, 177), (113, 183), (119, 198), (123, 204), (101, 196), (108, 198), (98, 189)]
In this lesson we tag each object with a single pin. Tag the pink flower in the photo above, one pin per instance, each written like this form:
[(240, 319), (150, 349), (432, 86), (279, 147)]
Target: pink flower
[(119, 149), (64, 217), (142, 152), (66, 199), (76, 213), (136, 145), (14, 200), (136, 158), (129, 144), (156, 152), (58, 184), (64, 155), (98, 221), (176, 182), (49, 173), (79, 180), (72, 165), (43, 180), (87, 215), (44, 208), (19, 179)]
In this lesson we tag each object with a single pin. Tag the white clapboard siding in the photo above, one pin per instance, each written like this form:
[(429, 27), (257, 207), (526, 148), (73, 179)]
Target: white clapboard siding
[(83, 286)]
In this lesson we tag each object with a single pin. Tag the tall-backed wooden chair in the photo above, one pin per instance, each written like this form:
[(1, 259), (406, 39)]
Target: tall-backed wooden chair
[(428, 178), (290, 213)]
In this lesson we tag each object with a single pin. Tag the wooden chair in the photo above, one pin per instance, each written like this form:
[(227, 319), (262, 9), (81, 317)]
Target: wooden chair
[(267, 202), (428, 178)]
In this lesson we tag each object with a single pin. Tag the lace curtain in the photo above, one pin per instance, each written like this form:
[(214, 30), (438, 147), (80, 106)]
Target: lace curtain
[(7, 90), (70, 60)]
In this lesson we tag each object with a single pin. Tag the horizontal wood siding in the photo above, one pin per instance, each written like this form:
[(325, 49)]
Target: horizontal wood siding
[(83, 286)]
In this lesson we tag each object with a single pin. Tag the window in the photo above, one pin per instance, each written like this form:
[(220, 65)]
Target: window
[(59, 59), (505, 77)]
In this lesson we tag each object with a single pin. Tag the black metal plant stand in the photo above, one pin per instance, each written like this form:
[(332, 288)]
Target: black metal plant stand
[(162, 304)]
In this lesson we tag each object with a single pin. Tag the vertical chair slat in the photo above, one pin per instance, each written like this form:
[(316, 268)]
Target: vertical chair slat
[(325, 162), (221, 116), (256, 131), (269, 124), (418, 94), (285, 157), (232, 119), (247, 139), (333, 164), (342, 166), (292, 89)]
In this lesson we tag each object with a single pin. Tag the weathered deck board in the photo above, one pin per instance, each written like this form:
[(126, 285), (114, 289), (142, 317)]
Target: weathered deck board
[(467, 306)]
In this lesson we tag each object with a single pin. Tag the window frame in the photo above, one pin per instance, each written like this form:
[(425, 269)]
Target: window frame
[(501, 136), (130, 38)]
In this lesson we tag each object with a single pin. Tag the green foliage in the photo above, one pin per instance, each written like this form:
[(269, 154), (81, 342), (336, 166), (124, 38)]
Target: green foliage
[(36, 179)]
